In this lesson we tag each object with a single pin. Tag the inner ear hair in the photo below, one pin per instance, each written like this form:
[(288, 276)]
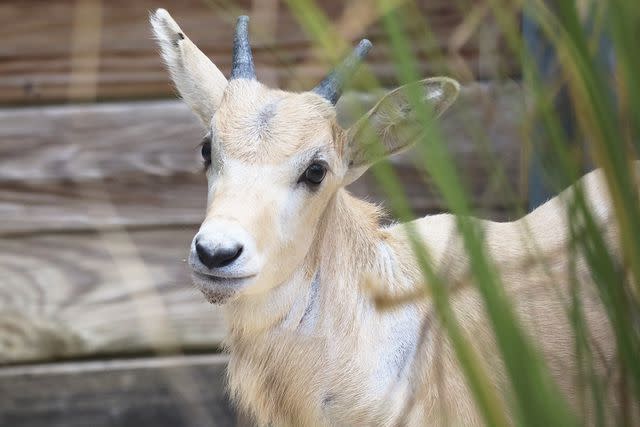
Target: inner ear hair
[(393, 125)]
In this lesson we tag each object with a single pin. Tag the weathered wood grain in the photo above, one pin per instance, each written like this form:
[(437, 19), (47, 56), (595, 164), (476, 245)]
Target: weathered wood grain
[(98, 142), (163, 392), (48, 52), (140, 201), (60, 166), (85, 294)]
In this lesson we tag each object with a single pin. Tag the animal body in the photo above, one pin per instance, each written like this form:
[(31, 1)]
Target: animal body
[(288, 251)]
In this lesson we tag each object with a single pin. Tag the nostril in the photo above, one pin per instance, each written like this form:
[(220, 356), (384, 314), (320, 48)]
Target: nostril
[(205, 256), (229, 255), (217, 257)]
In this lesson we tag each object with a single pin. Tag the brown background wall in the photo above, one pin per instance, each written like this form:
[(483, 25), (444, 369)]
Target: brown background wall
[(52, 49)]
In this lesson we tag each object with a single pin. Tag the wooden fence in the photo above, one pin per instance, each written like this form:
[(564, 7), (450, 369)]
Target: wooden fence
[(58, 50), (99, 201)]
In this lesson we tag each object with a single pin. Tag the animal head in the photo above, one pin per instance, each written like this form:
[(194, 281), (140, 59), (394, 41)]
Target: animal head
[(275, 159)]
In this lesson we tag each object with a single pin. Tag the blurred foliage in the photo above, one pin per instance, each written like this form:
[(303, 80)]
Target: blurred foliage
[(603, 97)]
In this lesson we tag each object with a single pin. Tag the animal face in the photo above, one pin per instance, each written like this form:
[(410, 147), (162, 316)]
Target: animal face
[(272, 166), (275, 160)]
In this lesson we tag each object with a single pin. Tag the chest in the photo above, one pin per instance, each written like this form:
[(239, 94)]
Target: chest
[(302, 377)]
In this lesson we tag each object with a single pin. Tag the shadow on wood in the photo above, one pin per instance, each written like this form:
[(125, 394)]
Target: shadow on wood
[(162, 391)]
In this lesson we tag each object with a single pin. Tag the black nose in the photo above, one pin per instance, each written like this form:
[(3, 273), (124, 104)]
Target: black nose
[(217, 257)]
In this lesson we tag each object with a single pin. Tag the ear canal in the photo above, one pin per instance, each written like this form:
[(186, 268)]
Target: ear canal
[(242, 66), (332, 86)]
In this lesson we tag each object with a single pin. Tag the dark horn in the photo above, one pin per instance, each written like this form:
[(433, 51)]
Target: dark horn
[(242, 67), (332, 85)]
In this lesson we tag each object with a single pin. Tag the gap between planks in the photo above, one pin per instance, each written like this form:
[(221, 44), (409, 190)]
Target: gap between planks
[(74, 366)]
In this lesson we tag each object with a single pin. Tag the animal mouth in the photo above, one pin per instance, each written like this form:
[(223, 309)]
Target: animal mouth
[(217, 289), (214, 279)]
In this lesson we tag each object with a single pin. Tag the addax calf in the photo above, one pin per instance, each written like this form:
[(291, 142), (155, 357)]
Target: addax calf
[(287, 249)]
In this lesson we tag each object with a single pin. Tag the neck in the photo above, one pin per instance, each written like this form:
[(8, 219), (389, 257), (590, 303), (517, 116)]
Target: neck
[(321, 310), (343, 250)]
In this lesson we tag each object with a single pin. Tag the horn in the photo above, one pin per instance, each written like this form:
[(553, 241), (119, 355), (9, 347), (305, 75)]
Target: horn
[(332, 85), (242, 66)]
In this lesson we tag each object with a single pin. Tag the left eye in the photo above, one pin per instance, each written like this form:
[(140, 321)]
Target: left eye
[(205, 150), (314, 174)]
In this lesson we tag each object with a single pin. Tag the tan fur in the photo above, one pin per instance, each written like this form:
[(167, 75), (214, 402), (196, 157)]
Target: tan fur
[(308, 345)]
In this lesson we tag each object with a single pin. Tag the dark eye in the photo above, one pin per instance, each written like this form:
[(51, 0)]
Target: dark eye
[(314, 174), (206, 152)]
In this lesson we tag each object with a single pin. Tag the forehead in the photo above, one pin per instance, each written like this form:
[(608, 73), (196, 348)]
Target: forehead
[(262, 125)]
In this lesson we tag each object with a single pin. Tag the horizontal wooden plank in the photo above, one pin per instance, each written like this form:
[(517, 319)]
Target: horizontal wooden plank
[(72, 50), (97, 142), (88, 167), (133, 202), (84, 294), (166, 391)]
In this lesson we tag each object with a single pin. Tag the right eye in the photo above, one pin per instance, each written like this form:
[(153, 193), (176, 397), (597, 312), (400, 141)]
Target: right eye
[(205, 150), (314, 174)]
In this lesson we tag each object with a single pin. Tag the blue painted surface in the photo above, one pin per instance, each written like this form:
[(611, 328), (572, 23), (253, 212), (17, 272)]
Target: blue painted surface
[(536, 44), (540, 187)]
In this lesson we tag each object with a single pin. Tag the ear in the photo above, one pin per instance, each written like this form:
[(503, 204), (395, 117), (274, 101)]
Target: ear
[(393, 125), (197, 79)]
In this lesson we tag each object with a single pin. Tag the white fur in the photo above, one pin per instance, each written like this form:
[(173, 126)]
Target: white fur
[(198, 80)]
